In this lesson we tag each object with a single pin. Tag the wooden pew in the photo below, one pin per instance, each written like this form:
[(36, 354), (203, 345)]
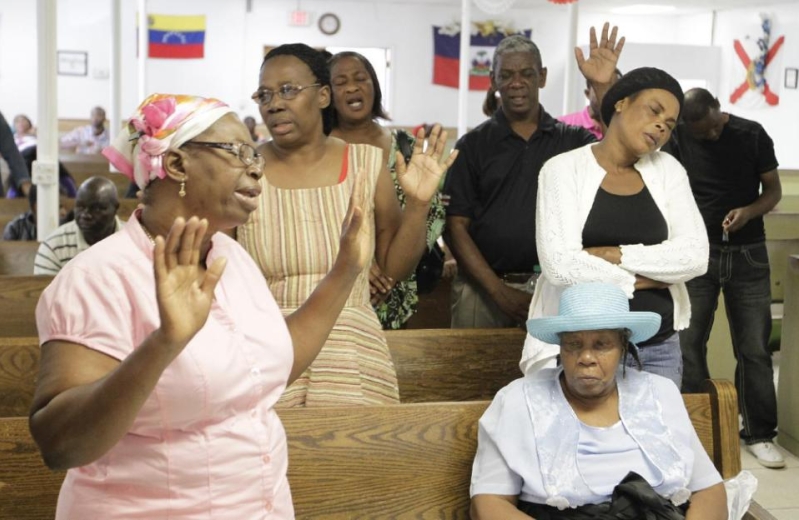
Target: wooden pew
[(18, 298), (454, 365), (19, 367), (406, 461), (434, 309), (13, 207), (432, 365), (91, 164), (16, 259)]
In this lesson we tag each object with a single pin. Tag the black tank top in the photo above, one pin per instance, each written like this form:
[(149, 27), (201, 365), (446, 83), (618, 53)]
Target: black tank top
[(617, 220)]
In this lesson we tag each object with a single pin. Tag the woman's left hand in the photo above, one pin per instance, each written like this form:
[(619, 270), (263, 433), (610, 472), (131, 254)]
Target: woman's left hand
[(603, 55), (421, 177)]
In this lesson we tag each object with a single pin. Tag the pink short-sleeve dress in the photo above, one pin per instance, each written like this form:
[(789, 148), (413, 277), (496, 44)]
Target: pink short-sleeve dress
[(207, 442)]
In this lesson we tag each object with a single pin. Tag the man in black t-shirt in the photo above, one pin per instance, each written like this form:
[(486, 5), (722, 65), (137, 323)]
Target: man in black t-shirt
[(729, 159), (493, 184)]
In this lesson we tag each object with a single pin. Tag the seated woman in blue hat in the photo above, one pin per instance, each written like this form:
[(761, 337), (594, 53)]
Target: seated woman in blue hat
[(593, 438)]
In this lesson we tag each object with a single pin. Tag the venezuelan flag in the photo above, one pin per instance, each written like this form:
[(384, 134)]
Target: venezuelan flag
[(176, 36)]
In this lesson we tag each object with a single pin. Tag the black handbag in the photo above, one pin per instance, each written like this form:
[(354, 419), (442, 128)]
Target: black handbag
[(431, 265)]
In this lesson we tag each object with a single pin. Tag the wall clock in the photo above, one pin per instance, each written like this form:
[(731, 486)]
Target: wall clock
[(329, 23)]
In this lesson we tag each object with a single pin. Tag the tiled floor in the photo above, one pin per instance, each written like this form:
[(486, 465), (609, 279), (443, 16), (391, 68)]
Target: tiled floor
[(777, 489)]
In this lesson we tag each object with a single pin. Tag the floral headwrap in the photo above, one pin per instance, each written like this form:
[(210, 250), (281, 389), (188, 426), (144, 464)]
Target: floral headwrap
[(161, 123)]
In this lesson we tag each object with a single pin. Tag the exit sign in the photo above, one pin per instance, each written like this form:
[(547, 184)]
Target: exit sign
[(299, 18)]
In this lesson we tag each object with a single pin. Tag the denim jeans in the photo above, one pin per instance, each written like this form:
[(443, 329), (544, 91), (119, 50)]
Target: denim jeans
[(742, 273), (663, 359)]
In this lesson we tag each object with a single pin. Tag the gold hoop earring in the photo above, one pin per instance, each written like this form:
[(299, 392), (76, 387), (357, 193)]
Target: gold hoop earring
[(182, 192)]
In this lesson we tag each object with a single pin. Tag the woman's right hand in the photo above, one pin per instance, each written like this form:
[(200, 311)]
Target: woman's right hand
[(184, 289), (643, 283), (380, 284)]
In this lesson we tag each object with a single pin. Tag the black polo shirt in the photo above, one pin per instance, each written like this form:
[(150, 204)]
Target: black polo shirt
[(725, 174), (494, 182)]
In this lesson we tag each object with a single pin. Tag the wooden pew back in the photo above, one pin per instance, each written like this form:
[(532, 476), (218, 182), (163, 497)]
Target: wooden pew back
[(16, 259), (18, 298), (19, 366), (454, 365), (401, 461), (13, 207), (432, 365)]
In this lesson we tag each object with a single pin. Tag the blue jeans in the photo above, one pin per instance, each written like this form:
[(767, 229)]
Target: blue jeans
[(663, 359), (742, 273)]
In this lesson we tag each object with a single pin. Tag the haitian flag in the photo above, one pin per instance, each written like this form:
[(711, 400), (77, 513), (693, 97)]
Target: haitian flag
[(447, 46), (176, 36)]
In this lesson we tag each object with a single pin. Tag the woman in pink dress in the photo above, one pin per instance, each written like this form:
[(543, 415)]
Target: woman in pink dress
[(163, 350)]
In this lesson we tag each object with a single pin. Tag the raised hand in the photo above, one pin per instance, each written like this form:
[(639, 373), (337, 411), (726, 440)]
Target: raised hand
[(356, 246), (421, 177), (184, 289), (603, 55)]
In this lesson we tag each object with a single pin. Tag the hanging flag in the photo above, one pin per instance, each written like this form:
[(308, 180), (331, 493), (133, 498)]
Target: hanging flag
[(760, 84), (447, 45), (176, 36)]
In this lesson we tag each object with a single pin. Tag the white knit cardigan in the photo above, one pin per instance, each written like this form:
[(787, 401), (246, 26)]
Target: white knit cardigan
[(567, 187)]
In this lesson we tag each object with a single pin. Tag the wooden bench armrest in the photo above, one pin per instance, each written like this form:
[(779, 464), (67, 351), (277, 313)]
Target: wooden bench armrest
[(726, 442)]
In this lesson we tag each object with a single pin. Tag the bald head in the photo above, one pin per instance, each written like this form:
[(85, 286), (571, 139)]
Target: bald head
[(96, 187), (698, 103), (96, 207), (702, 115)]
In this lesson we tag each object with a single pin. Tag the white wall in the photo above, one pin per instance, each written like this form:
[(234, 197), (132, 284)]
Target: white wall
[(235, 38), (779, 121)]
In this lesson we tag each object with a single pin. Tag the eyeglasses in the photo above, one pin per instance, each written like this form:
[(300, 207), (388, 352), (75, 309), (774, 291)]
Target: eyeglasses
[(243, 151), (265, 96)]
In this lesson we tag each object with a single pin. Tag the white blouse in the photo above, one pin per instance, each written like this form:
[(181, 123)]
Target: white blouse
[(567, 187)]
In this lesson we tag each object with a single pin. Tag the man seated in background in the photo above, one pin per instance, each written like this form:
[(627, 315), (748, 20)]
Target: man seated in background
[(95, 219), (90, 138), (24, 133), (23, 227)]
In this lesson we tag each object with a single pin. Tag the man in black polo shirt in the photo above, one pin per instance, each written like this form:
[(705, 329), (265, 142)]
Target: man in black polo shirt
[(493, 184), (729, 159)]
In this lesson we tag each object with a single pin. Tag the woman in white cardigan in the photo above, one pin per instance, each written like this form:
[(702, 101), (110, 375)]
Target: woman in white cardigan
[(621, 212)]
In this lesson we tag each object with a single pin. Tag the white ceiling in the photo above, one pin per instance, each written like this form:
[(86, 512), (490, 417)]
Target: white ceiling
[(682, 6)]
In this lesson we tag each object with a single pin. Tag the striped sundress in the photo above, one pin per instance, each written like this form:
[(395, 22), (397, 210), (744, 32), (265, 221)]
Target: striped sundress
[(294, 238)]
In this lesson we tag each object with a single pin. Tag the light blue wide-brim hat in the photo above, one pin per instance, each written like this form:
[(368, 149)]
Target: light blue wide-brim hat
[(594, 306)]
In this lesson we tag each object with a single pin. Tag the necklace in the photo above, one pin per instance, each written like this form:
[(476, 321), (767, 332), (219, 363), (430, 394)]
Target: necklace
[(152, 240)]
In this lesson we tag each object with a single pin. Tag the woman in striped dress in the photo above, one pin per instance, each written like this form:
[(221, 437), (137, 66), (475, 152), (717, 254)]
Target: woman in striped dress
[(293, 235)]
